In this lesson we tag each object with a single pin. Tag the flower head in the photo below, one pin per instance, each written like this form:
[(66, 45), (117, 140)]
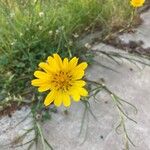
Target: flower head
[(41, 14), (62, 78), (137, 3)]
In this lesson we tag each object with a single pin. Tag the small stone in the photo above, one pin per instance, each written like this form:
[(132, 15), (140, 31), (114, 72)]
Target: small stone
[(101, 137), (87, 45)]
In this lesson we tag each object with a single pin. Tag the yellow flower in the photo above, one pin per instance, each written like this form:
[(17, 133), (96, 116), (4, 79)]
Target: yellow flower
[(62, 78), (137, 3)]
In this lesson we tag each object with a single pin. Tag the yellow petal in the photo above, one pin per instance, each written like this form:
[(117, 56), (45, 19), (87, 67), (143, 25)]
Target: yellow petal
[(79, 83), (76, 97), (54, 65), (44, 88), (38, 82), (45, 67), (77, 74), (50, 60), (58, 60), (58, 99), (82, 66), (78, 71), (66, 100), (75, 94), (49, 98), (65, 63), (73, 62), (83, 92), (42, 75)]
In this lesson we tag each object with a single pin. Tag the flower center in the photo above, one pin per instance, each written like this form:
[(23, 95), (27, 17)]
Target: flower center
[(62, 81)]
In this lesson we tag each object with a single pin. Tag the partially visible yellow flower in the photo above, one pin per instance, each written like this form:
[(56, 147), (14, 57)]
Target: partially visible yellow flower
[(137, 3), (62, 78)]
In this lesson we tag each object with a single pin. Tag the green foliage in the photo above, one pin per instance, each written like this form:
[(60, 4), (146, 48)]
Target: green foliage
[(33, 29)]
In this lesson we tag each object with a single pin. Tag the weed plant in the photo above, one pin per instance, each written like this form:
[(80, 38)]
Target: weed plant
[(30, 30)]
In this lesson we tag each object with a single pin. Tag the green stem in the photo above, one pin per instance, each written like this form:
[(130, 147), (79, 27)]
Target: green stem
[(41, 134)]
